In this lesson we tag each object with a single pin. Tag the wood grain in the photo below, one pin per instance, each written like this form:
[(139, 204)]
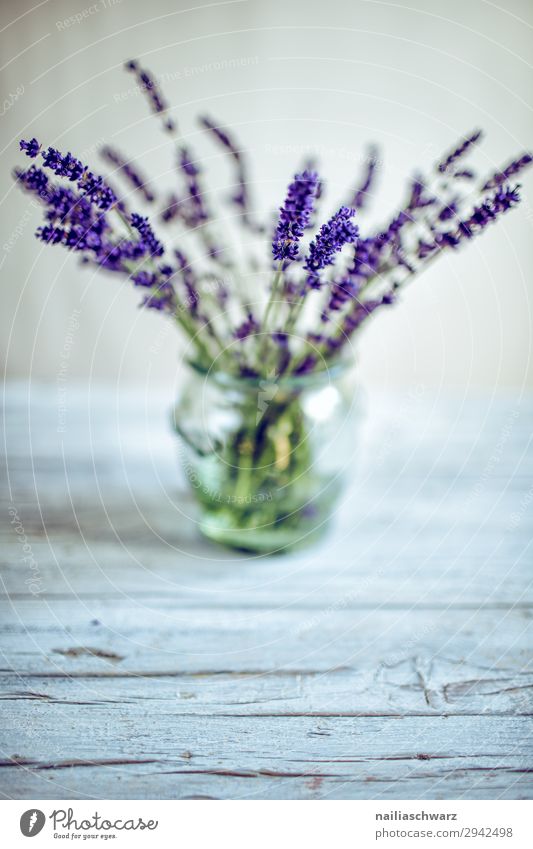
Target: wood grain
[(392, 661)]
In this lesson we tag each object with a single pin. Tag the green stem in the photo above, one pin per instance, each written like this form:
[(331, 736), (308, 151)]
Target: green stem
[(273, 293)]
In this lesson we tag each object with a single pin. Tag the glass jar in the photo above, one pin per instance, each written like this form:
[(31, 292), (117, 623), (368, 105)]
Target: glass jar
[(266, 460)]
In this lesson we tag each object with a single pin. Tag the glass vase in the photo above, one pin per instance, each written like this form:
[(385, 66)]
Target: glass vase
[(266, 459)]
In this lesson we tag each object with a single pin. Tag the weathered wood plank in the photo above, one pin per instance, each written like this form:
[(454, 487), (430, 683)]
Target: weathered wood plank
[(147, 782), (158, 637), (381, 752), (358, 577), (389, 662)]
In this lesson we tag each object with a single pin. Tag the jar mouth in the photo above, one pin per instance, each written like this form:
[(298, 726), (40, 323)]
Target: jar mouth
[(291, 382)]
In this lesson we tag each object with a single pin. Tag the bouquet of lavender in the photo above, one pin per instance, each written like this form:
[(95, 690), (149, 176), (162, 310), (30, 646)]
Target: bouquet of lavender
[(318, 285)]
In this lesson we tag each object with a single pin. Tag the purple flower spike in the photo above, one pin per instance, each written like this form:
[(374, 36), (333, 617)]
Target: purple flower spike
[(33, 180), (91, 185), (241, 196), (361, 196), (294, 215), (341, 292), (332, 237), (459, 151), (148, 240), (32, 148), (150, 88), (501, 201), (419, 199), (189, 281), (222, 136), (510, 170), (194, 209), (131, 174), (495, 205), (248, 327)]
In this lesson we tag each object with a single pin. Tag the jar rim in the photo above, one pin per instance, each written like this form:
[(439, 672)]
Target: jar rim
[(293, 381)]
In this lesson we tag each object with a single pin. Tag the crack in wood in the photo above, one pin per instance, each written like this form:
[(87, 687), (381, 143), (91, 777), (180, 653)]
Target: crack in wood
[(16, 761), (79, 651)]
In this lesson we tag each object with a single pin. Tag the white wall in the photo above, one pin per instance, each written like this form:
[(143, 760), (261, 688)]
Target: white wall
[(286, 75)]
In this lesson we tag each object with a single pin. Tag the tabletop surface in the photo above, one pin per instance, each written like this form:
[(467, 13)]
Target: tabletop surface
[(391, 661)]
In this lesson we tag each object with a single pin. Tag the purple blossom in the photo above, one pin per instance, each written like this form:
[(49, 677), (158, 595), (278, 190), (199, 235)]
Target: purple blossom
[(307, 365), (149, 242), (150, 88), (342, 291), (331, 238), (497, 204), (130, 173), (33, 180), (193, 210), (241, 197), (189, 281), (367, 255), (248, 327), (222, 136), (459, 152), (92, 186), (492, 207), (32, 148), (391, 234), (85, 216), (418, 198), (448, 211), (355, 318), (175, 207), (510, 170), (161, 298), (294, 215)]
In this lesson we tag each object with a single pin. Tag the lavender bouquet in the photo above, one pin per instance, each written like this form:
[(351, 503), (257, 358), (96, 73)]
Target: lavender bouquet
[(266, 396)]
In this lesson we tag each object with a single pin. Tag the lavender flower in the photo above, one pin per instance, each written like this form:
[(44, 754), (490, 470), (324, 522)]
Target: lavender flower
[(241, 197), (194, 209), (222, 136), (131, 174), (446, 164), (189, 281), (492, 207), (510, 170), (33, 180), (307, 365), (366, 260), (361, 196), (151, 246), (150, 88), (355, 318), (161, 295), (332, 237), (418, 198), (500, 202), (294, 215), (248, 327), (81, 212), (342, 291), (392, 233), (92, 186)]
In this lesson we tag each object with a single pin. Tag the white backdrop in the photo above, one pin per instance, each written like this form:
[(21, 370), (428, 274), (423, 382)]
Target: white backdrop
[(287, 76)]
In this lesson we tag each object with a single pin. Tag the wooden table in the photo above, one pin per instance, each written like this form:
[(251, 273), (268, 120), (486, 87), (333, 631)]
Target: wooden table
[(389, 662)]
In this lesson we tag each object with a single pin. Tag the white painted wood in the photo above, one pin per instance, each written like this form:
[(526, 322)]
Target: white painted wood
[(330, 751), (391, 661)]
